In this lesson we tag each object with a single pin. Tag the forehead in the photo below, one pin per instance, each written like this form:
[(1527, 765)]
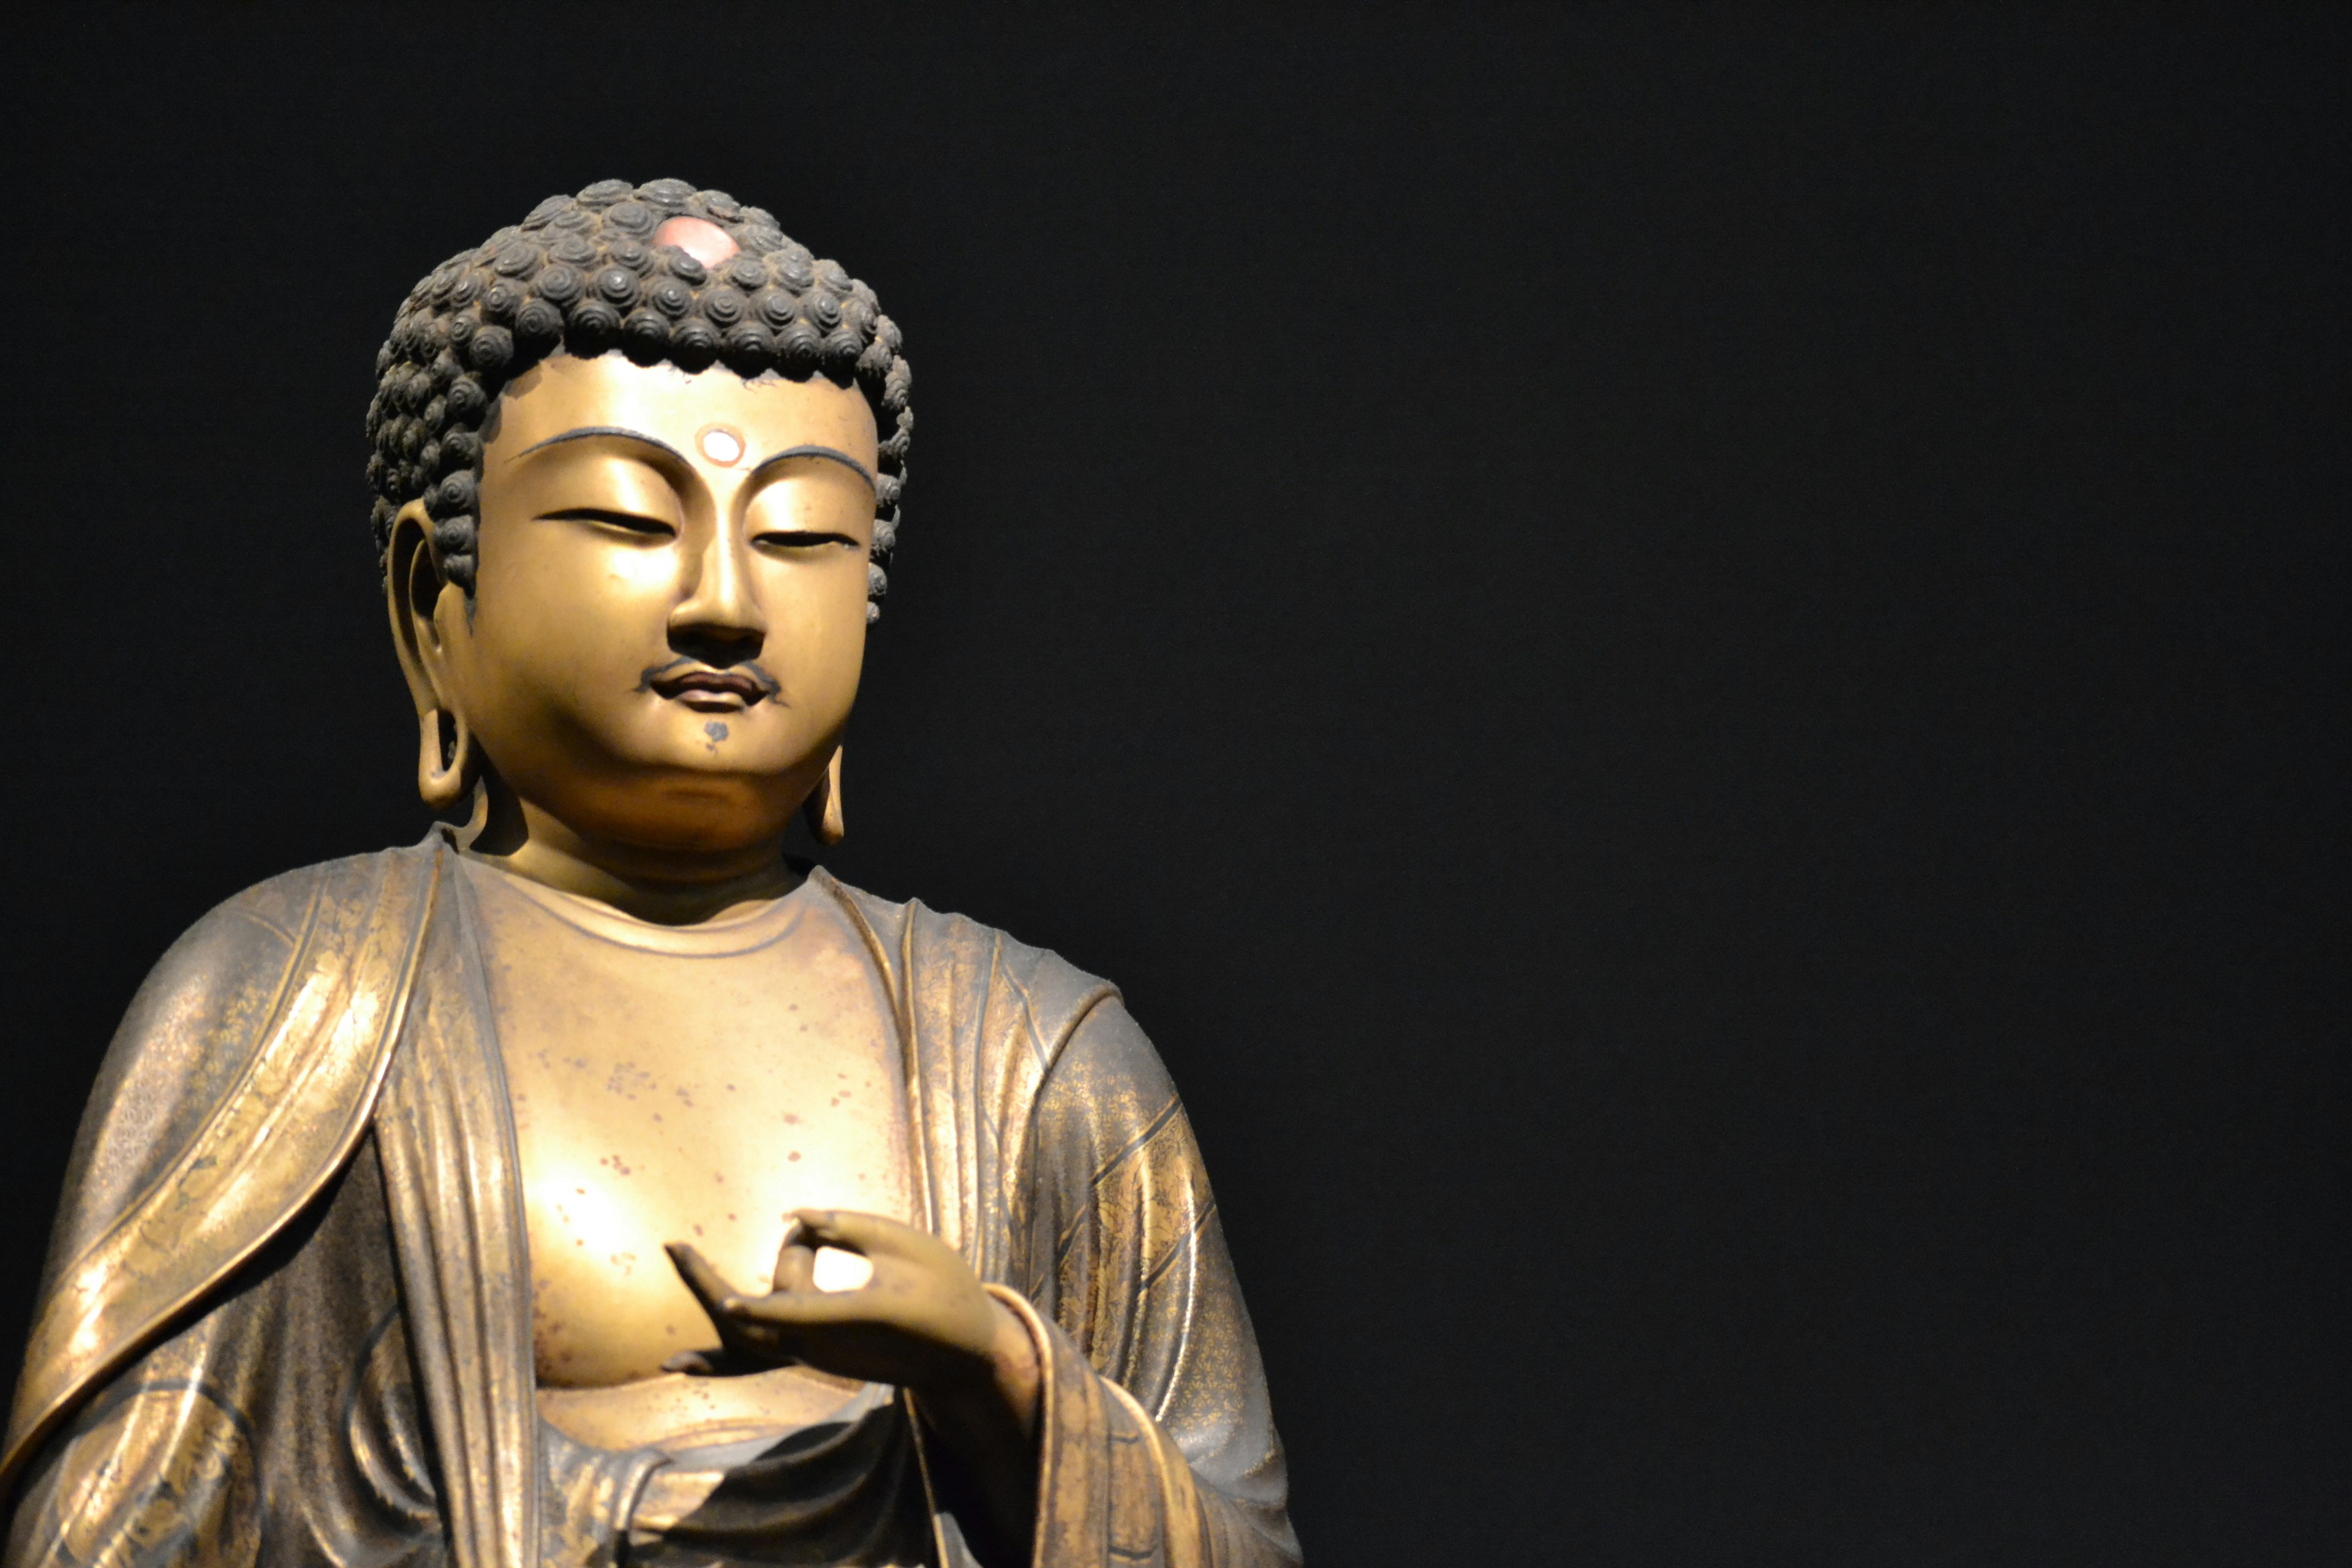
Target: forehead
[(563, 393)]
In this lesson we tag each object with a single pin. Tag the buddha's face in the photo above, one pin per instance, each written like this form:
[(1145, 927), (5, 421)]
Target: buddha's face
[(669, 616)]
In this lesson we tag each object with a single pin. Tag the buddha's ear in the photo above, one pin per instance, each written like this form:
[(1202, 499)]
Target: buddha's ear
[(413, 582), (414, 587)]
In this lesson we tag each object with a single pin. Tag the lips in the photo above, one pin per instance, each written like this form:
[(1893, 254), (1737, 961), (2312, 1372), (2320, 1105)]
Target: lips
[(707, 691)]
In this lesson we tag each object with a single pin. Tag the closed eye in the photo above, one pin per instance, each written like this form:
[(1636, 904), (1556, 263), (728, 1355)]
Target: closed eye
[(649, 528), (801, 539)]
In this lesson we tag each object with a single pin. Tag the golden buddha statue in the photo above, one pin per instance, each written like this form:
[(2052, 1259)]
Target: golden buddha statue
[(595, 1184)]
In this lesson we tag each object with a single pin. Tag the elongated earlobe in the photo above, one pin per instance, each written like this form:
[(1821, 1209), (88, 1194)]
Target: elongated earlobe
[(823, 807), (445, 757)]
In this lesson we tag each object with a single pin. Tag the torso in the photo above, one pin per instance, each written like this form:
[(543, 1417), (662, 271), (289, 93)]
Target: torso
[(682, 1083)]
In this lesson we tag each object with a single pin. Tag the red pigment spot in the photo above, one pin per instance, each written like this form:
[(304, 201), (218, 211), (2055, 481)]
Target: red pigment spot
[(698, 237)]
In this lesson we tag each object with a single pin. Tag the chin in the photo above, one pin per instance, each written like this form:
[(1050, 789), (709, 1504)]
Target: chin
[(692, 810)]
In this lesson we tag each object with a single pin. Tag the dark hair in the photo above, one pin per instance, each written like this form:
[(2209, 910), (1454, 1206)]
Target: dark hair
[(580, 275)]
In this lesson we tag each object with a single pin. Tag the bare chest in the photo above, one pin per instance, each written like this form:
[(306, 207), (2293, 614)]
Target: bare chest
[(664, 1096)]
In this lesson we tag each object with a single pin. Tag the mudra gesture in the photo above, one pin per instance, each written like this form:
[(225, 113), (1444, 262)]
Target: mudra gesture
[(595, 1184)]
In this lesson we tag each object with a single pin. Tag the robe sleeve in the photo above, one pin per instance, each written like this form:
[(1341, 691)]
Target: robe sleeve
[(277, 1426), (1158, 1443)]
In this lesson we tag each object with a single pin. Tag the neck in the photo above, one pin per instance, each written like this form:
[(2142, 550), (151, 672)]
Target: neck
[(668, 886)]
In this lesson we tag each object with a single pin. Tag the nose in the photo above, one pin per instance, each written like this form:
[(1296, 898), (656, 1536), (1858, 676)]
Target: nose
[(721, 620)]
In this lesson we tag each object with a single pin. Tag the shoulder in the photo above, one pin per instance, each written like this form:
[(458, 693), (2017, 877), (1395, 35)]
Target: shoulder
[(227, 1099), (234, 958), (192, 1028), (939, 962)]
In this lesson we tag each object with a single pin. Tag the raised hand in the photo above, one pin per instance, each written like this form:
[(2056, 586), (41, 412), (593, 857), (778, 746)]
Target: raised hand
[(922, 1321)]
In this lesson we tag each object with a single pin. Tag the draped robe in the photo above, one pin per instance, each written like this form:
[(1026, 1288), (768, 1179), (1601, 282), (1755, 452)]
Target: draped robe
[(286, 1317)]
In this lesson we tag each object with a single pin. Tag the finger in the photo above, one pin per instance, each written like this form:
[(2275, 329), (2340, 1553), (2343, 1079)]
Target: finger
[(787, 1310), (855, 1232), (710, 1286), (796, 1265)]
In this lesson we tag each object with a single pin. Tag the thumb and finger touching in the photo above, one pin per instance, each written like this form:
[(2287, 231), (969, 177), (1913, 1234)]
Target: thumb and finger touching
[(831, 1250)]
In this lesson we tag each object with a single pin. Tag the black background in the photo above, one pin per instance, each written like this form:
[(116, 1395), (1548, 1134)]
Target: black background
[(1688, 664)]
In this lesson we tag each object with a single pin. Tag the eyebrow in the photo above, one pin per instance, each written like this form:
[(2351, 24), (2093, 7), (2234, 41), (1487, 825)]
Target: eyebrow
[(833, 454), (623, 432), (585, 432)]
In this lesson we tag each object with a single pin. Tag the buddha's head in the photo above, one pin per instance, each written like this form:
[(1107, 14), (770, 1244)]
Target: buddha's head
[(634, 503)]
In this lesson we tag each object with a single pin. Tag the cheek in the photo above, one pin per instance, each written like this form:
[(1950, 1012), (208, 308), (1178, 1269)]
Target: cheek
[(816, 635), (635, 578), (554, 607), (544, 656)]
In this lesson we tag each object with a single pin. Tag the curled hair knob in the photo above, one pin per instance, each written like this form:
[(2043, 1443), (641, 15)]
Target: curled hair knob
[(453, 498), (492, 349), (842, 347), (775, 306), (693, 344), (560, 284), (592, 327), (722, 307), (618, 287), (632, 218), (538, 326), (794, 267), (802, 349), (466, 399), (749, 348), (644, 336)]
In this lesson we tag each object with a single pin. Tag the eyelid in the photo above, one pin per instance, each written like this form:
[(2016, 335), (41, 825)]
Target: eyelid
[(801, 538), (613, 517), (596, 474)]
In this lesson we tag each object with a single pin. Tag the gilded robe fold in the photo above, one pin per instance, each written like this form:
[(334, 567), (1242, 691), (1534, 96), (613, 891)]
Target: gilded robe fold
[(286, 1317)]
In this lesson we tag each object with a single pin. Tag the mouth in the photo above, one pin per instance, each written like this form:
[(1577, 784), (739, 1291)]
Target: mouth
[(707, 691)]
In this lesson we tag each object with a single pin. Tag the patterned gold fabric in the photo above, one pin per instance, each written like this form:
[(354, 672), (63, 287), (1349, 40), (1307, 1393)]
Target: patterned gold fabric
[(286, 1318)]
